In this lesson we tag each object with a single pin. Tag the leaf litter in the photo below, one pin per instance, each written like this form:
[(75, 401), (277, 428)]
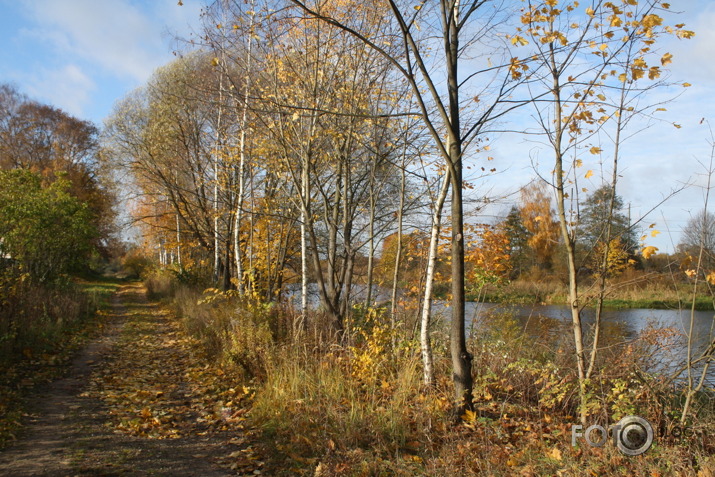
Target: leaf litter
[(147, 401)]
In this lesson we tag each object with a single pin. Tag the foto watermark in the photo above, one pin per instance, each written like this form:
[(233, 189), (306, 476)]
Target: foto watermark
[(633, 435)]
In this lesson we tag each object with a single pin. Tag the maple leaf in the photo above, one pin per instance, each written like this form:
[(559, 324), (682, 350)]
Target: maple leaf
[(648, 251)]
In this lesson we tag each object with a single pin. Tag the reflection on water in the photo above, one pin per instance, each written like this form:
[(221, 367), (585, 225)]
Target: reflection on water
[(552, 322)]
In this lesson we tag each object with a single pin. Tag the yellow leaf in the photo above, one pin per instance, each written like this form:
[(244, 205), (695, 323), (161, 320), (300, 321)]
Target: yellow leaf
[(686, 85), (590, 12), (578, 163), (690, 273), (555, 454), (589, 173), (469, 416), (649, 251), (215, 62), (654, 233), (595, 150), (602, 97), (711, 278), (519, 40), (666, 59)]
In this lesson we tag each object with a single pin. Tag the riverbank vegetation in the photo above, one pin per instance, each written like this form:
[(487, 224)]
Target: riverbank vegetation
[(358, 406)]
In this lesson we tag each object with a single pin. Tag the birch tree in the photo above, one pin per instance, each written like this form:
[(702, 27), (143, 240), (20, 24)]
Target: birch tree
[(444, 32)]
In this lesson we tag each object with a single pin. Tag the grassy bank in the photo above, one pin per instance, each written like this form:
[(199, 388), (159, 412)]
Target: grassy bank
[(357, 406), (655, 294), (43, 328)]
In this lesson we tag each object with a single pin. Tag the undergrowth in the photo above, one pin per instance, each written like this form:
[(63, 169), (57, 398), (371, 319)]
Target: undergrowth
[(356, 405)]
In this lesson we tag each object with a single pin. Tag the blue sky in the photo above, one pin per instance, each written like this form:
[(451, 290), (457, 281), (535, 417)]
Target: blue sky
[(83, 55), (662, 157)]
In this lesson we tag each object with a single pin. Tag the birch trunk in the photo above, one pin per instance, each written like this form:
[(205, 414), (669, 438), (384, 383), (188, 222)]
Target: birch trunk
[(425, 342)]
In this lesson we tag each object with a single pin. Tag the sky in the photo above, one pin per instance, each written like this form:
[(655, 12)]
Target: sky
[(658, 160), (84, 55)]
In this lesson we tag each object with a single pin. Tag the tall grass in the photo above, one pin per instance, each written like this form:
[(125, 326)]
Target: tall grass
[(41, 326), (34, 319), (355, 405)]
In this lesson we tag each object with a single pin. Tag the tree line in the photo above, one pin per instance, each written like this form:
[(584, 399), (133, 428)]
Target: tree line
[(56, 211)]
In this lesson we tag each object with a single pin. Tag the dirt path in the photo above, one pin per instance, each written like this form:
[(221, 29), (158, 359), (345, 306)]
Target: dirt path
[(134, 402)]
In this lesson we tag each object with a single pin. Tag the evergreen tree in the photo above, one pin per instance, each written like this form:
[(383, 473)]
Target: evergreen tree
[(594, 219), (521, 255)]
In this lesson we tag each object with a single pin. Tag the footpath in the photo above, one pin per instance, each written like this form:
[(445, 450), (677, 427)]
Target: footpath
[(135, 401)]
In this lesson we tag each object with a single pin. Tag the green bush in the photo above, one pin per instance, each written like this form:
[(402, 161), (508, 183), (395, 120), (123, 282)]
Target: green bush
[(45, 231)]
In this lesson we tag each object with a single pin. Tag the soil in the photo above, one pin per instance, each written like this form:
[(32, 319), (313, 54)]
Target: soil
[(71, 429)]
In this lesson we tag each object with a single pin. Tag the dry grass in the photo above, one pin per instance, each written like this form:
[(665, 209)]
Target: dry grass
[(34, 318), (357, 406)]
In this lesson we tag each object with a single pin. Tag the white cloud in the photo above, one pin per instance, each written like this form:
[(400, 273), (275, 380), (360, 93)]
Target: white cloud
[(68, 88), (115, 35)]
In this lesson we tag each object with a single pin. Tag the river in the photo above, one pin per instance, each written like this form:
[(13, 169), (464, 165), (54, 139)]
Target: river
[(552, 322)]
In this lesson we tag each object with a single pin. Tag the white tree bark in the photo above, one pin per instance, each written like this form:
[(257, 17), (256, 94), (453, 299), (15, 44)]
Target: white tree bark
[(425, 342)]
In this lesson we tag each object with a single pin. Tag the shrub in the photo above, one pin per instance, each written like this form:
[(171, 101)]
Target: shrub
[(34, 317), (160, 284), (136, 264)]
